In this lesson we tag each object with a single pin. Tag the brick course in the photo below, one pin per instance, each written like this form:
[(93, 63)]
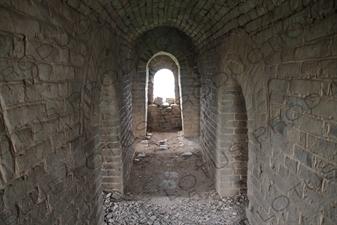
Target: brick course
[(258, 86)]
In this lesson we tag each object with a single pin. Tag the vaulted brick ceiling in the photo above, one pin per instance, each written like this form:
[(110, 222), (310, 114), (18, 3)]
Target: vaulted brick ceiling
[(201, 20)]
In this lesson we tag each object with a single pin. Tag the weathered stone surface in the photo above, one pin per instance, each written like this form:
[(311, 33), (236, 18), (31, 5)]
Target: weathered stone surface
[(254, 80)]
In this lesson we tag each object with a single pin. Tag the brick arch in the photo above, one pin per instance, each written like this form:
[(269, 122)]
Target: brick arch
[(177, 44), (113, 115), (201, 20), (172, 119), (233, 73), (158, 62), (242, 60), (231, 156)]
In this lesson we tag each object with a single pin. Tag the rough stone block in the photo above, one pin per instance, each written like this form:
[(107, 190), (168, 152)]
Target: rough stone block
[(33, 9), (22, 139), (319, 30), (333, 130), (312, 180), (6, 46), (324, 108), (289, 69), (33, 156), (311, 51), (12, 93), (303, 156), (22, 115), (76, 59), (305, 87), (6, 21), (321, 147), (45, 72)]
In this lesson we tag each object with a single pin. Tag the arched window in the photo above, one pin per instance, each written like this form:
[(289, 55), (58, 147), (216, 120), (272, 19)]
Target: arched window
[(163, 84)]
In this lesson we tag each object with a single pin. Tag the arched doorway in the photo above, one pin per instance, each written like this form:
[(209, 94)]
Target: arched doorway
[(164, 111), (231, 158)]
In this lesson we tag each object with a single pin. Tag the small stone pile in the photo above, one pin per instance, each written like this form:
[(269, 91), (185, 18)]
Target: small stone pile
[(208, 209)]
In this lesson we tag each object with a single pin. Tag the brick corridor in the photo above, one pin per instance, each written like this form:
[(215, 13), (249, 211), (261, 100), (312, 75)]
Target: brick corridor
[(255, 86), (166, 187)]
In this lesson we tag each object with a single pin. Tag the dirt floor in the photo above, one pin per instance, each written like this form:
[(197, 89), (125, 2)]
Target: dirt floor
[(167, 172), (171, 186)]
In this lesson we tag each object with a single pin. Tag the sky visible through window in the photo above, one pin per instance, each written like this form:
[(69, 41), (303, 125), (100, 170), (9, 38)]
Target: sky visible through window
[(163, 84)]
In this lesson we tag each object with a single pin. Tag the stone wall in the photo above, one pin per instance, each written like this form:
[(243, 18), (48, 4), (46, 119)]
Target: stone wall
[(174, 42), (164, 118), (265, 78), (231, 136), (58, 88), (285, 65), (157, 63), (230, 97)]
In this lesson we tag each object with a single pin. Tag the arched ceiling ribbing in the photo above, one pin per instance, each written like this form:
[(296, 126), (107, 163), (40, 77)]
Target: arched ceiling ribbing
[(201, 20)]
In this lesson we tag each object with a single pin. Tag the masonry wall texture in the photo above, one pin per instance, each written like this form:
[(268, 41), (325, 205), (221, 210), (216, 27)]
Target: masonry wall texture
[(258, 86), (157, 63), (290, 99), (167, 41), (59, 80), (160, 118), (164, 118)]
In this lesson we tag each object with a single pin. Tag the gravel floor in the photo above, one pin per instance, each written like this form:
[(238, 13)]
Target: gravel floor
[(166, 187), (206, 209)]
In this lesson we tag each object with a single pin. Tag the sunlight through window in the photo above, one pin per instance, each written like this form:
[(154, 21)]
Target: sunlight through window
[(164, 84)]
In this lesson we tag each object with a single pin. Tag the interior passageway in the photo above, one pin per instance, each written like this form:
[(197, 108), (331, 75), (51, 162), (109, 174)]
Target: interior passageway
[(171, 186), (254, 81)]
